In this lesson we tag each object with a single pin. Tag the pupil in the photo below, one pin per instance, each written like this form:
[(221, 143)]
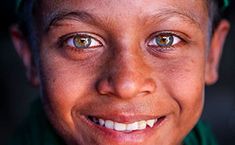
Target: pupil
[(81, 42), (164, 41)]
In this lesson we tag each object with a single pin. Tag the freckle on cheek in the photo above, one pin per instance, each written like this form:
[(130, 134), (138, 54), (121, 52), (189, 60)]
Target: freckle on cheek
[(53, 80), (192, 61)]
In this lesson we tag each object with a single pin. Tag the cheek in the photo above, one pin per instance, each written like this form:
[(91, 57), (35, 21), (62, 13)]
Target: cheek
[(64, 81), (187, 81), (186, 86), (64, 85)]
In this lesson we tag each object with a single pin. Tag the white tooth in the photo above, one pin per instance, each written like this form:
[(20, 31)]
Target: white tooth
[(119, 126), (132, 126), (155, 120), (141, 125), (101, 121), (150, 123), (109, 124)]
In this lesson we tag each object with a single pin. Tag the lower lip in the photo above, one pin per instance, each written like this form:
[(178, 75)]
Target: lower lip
[(132, 137)]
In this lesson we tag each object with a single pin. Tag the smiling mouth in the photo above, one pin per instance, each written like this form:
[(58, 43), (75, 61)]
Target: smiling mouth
[(126, 127)]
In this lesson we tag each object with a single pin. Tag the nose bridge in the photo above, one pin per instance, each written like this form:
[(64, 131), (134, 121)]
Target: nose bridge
[(128, 58), (128, 75), (128, 66)]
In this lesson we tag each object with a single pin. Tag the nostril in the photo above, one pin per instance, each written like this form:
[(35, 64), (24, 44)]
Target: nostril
[(103, 86), (149, 86)]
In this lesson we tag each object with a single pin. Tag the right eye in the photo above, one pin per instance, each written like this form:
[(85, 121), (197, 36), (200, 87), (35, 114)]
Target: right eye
[(82, 41), (164, 40)]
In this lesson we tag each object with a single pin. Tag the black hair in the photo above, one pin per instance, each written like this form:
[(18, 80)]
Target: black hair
[(25, 13), (217, 11)]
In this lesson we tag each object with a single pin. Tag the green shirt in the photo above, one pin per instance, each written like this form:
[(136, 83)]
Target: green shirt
[(38, 131)]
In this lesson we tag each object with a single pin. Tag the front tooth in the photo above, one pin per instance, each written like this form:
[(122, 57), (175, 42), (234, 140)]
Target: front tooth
[(132, 126), (155, 120), (119, 126), (102, 122), (141, 125), (109, 124), (150, 123)]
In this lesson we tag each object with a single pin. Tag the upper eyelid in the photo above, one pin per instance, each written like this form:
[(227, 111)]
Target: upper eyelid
[(164, 33), (182, 36), (70, 35)]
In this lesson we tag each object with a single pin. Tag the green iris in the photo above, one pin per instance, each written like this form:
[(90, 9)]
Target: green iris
[(164, 40), (81, 41)]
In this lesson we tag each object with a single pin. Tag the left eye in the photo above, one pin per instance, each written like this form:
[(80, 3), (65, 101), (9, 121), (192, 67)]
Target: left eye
[(83, 42), (164, 40)]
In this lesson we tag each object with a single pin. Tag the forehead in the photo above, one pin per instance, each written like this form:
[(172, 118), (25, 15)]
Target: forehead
[(116, 3), (125, 11)]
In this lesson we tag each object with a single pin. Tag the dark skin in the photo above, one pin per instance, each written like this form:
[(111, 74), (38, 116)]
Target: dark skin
[(144, 60)]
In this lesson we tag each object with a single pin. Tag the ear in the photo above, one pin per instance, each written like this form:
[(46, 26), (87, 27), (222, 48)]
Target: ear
[(215, 51), (22, 48)]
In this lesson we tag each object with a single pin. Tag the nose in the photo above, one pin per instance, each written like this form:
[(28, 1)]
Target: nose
[(127, 76)]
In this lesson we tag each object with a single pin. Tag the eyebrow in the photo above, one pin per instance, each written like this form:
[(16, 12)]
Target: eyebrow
[(166, 13), (85, 17), (81, 16)]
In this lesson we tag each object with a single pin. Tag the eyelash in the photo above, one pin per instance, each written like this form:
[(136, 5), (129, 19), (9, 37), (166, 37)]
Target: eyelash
[(68, 41), (164, 49)]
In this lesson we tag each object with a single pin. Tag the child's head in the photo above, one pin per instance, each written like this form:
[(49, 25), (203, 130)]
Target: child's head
[(122, 62)]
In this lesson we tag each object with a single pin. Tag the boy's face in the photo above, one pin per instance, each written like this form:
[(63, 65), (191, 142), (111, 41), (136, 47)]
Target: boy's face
[(129, 62)]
